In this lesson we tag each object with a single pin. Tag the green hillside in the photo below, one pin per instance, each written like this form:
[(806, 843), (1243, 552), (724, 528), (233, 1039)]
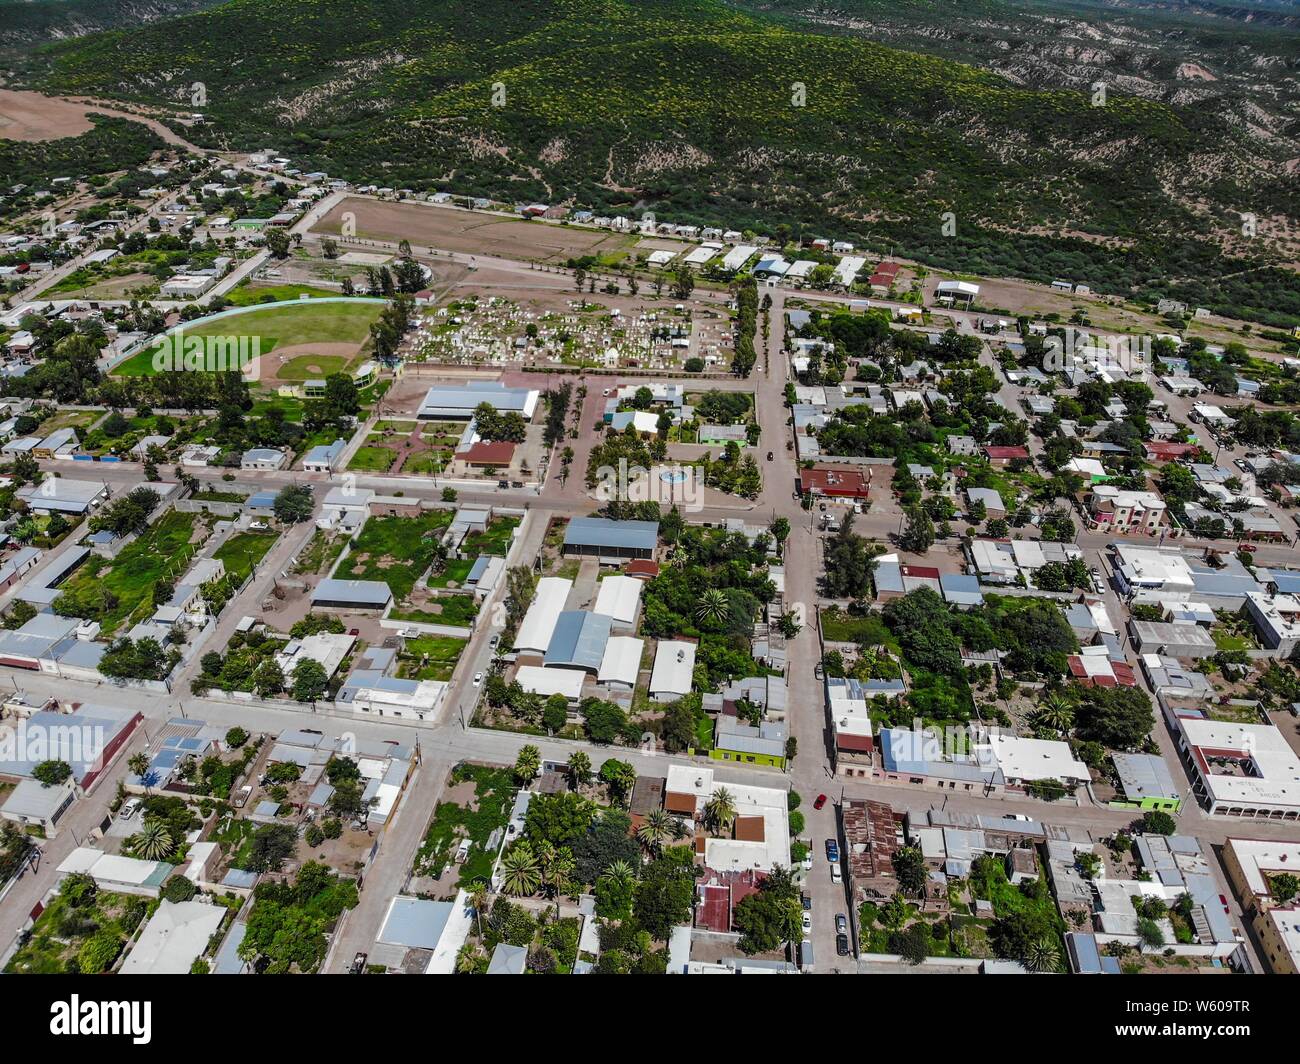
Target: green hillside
[(685, 107)]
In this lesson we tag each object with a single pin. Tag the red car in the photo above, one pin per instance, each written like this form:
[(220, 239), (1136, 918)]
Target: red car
[(1249, 548), (821, 801)]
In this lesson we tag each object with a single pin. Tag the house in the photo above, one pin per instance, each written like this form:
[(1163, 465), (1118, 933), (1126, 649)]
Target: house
[(32, 804), (618, 599), (61, 441), (418, 936), (87, 739), (849, 709), (1089, 468), (263, 458), (1177, 639), (118, 874), (672, 675), (538, 625), (352, 594), (1277, 621), (62, 495), (1123, 510), (1157, 451), (578, 641), (962, 445), (508, 960), (1146, 783), (1252, 866), (760, 838), (992, 501), (175, 937), (610, 541), (323, 458), (835, 483), (734, 740), (621, 663), (1001, 457)]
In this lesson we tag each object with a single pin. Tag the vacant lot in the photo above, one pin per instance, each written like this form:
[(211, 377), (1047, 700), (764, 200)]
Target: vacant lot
[(242, 551), (31, 116), (471, 232), (396, 550), (128, 580)]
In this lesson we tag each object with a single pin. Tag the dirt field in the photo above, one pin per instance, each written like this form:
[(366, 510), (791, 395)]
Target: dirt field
[(305, 361), (31, 116), (470, 232)]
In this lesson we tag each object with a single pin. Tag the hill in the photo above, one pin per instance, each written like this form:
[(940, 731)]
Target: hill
[(701, 111)]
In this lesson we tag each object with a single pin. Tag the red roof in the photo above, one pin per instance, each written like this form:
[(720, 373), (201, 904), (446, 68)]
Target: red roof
[(1170, 450), (851, 483), (861, 744), (714, 910), (642, 567), (888, 267), (1006, 452), (921, 572), (488, 453)]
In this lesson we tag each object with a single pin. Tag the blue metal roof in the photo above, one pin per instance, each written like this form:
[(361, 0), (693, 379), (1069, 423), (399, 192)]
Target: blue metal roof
[(579, 639), (360, 592), (602, 532)]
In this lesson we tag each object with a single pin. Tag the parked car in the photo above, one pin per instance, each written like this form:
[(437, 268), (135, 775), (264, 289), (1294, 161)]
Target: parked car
[(494, 640), (807, 902), (841, 923), (478, 678), (836, 875), (807, 923), (1249, 548), (358, 964), (769, 456), (842, 945), (1016, 816), (832, 850), (819, 801), (129, 808)]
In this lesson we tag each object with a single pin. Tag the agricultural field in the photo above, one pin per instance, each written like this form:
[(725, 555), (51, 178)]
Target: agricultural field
[(474, 233)]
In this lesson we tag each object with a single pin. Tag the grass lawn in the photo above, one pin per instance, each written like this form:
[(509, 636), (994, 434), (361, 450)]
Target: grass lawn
[(162, 551), (495, 539), (402, 427), (373, 459), (841, 627), (307, 322), (427, 462), (455, 573), (244, 550), (431, 657), (218, 496), (494, 795), (457, 611), (396, 550), (62, 419), (1230, 641), (247, 295), (308, 367)]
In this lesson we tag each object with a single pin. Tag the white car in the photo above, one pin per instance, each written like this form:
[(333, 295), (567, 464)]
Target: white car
[(836, 875), (478, 678), (807, 923)]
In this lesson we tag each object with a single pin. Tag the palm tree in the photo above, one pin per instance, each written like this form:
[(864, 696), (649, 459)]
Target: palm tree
[(153, 841), (1055, 712), (620, 873), (476, 894), (138, 763), (557, 876), (720, 810), (468, 959), (527, 764), (579, 768), (713, 606), (655, 830), (1042, 956), (520, 871)]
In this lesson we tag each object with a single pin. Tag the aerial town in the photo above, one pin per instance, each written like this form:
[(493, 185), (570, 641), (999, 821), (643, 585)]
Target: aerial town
[(397, 581)]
